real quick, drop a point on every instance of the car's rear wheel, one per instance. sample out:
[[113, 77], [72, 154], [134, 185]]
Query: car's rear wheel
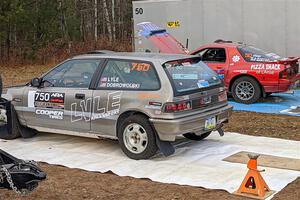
[[193, 136], [137, 138], [246, 90]]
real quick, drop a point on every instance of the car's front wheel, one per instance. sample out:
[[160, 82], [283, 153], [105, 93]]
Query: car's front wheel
[[137, 138], [12, 127], [246, 90], [193, 136]]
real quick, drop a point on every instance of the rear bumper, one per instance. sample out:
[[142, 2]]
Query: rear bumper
[[168, 129], [284, 85]]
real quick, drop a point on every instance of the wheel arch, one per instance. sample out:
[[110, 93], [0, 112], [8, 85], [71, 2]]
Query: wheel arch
[[126, 114], [245, 75]]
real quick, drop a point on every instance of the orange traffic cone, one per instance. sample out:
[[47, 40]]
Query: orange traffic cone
[[253, 184]]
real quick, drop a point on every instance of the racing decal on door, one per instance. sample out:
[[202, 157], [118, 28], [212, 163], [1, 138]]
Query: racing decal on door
[[54, 100], [48, 105], [112, 107], [49, 114]]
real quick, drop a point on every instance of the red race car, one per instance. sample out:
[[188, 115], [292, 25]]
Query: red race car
[[249, 73]]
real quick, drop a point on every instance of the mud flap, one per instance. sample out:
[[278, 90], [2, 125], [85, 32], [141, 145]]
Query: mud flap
[[27, 132], [24, 175], [165, 146], [5, 116], [220, 131]]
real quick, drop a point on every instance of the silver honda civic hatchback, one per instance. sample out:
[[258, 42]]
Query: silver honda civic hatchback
[[143, 100]]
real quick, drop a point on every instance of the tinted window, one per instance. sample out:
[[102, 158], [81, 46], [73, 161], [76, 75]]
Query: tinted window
[[213, 55], [252, 54], [134, 75], [191, 74], [72, 74]]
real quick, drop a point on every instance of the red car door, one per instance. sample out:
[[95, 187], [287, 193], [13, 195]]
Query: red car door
[[216, 58]]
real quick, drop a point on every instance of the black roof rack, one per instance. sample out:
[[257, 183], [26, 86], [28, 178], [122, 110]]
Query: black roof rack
[[100, 52], [222, 41], [227, 41]]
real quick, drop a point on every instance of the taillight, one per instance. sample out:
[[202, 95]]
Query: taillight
[[177, 106], [285, 74]]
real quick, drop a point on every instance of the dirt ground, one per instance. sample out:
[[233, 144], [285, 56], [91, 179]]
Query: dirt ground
[[268, 125], [74, 184], [64, 183]]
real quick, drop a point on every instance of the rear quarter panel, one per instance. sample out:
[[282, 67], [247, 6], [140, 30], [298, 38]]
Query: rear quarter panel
[[266, 74]]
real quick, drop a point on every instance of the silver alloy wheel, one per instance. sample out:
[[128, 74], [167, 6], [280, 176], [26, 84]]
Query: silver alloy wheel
[[244, 90], [135, 138]]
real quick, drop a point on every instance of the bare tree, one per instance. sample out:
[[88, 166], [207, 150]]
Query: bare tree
[[107, 20], [113, 19], [96, 20]]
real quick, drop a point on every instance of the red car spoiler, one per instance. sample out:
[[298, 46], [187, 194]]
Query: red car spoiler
[[289, 60], [161, 39]]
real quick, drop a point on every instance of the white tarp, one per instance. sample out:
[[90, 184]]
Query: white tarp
[[194, 163]]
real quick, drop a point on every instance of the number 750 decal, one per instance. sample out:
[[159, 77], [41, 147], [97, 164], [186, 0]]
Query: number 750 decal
[[53, 97]]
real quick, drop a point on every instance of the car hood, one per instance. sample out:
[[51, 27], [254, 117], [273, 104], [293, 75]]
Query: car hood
[[161, 39], [8, 91]]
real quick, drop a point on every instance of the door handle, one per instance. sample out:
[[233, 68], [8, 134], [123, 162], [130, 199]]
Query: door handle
[[79, 96]]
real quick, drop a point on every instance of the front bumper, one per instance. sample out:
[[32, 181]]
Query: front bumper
[[168, 129]]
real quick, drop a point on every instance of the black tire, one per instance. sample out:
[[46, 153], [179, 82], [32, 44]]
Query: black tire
[[151, 147], [15, 127], [254, 84], [193, 136]]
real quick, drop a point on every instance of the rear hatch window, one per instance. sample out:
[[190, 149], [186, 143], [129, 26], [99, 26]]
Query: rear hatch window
[[191, 75], [252, 54]]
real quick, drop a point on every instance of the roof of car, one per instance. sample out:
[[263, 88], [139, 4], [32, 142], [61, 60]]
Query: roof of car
[[223, 44], [135, 56], [218, 45]]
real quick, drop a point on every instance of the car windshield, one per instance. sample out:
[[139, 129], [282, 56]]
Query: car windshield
[[191, 74], [252, 54]]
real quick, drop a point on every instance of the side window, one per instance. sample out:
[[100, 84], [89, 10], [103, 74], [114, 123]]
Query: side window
[[72, 74], [132, 75], [213, 54]]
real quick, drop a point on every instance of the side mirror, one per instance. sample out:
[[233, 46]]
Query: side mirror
[[36, 82]]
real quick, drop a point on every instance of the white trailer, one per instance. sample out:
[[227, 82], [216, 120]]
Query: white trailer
[[272, 25]]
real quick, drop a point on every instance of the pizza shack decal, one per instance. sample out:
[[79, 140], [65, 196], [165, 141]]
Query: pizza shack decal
[[265, 67]]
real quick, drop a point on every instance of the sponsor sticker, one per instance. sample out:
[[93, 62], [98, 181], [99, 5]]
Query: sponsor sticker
[[173, 24], [185, 76], [48, 100], [265, 67], [50, 114], [153, 107], [146, 95], [140, 67], [236, 58], [240, 71]]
